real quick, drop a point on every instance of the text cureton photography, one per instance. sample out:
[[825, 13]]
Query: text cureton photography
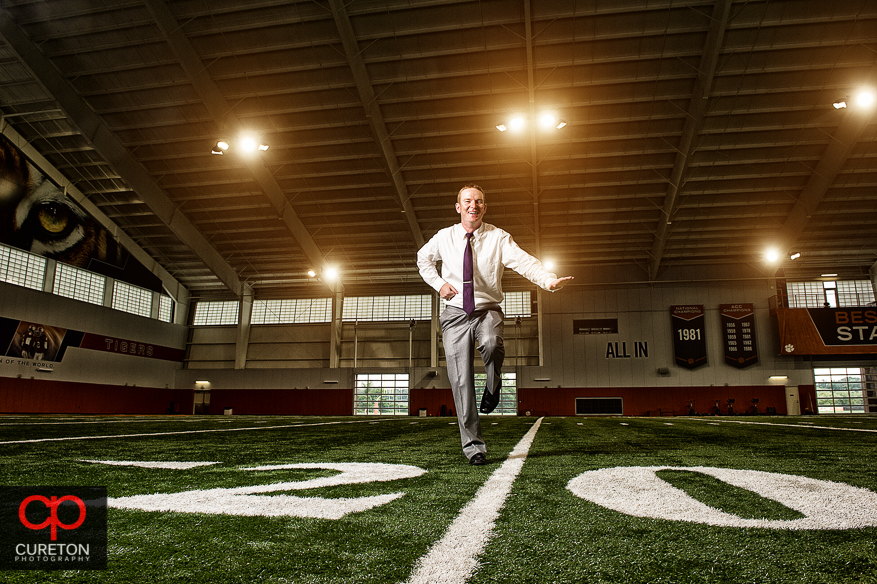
[[53, 528]]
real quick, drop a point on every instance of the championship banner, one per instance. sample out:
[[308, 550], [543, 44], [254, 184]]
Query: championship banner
[[689, 335], [738, 330], [827, 331]]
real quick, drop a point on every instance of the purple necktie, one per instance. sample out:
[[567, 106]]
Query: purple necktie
[[468, 288]]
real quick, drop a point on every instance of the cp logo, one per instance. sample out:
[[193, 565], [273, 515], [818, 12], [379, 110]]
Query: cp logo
[[52, 520]]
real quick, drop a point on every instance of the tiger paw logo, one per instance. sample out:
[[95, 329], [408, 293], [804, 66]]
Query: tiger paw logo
[[790, 348]]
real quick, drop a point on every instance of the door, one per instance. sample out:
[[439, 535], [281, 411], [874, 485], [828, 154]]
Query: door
[[793, 402]]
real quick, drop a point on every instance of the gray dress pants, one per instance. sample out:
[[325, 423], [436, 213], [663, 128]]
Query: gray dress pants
[[459, 334]]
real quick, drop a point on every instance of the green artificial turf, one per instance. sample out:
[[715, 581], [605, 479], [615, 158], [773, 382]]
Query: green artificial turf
[[543, 534]]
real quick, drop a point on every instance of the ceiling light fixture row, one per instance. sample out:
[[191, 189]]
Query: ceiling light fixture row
[[547, 121], [329, 274], [247, 145], [865, 98]]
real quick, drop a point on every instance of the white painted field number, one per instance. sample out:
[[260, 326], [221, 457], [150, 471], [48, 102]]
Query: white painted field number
[[638, 491], [249, 501], [634, 490]]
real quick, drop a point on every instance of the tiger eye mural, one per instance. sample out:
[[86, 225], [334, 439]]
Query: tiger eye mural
[[38, 218]]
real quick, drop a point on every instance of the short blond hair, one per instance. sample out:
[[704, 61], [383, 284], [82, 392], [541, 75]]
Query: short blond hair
[[469, 186]]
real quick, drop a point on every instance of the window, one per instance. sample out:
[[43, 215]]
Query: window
[[513, 304], [292, 311], [508, 397], [516, 304], [216, 313], [132, 299], [855, 293], [79, 284], [839, 390], [21, 268], [165, 308], [833, 294], [381, 394], [386, 308]]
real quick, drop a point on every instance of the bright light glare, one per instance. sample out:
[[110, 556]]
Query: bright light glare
[[516, 123], [222, 144], [547, 120], [312, 274], [330, 274], [865, 98], [248, 145], [771, 255], [549, 265]]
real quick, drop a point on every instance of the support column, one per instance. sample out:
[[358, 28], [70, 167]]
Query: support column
[[243, 340], [335, 339], [873, 273], [49, 276], [539, 324]]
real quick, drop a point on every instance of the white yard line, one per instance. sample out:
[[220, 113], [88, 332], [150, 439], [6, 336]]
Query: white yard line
[[454, 558], [786, 425], [151, 434]]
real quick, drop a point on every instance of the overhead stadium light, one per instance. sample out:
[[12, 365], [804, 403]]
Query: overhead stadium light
[[547, 121], [865, 98], [220, 147], [840, 104], [247, 145]]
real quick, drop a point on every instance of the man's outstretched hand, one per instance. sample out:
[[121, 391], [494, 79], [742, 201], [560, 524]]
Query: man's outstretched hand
[[559, 283]]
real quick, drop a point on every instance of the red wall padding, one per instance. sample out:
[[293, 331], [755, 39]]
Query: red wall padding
[[638, 401], [39, 396], [289, 402]]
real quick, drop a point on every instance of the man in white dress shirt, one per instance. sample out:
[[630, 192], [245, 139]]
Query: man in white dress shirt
[[473, 311]]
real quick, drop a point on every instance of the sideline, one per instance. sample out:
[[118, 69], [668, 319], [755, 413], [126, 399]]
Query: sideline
[[786, 425], [454, 558], [151, 434]]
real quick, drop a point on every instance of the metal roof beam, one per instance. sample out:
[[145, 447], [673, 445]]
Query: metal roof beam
[[221, 111], [113, 151], [176, 290], [842, 142], [374, 115], [696, 110]]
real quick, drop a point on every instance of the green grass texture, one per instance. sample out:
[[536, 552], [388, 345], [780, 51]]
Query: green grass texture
[[544, 533]]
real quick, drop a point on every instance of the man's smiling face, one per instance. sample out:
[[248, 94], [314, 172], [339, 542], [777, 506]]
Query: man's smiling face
[[471, 207]]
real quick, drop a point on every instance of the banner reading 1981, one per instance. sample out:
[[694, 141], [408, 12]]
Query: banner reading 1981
[[738, 330], [689, 335]]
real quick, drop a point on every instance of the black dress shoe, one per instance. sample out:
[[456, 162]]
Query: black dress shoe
[[478, 459], [489, 401]]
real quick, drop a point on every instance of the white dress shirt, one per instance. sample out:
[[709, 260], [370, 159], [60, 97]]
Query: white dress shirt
[[493, 250]]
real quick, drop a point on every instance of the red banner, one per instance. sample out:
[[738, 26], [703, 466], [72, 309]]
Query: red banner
[[129, 347]]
